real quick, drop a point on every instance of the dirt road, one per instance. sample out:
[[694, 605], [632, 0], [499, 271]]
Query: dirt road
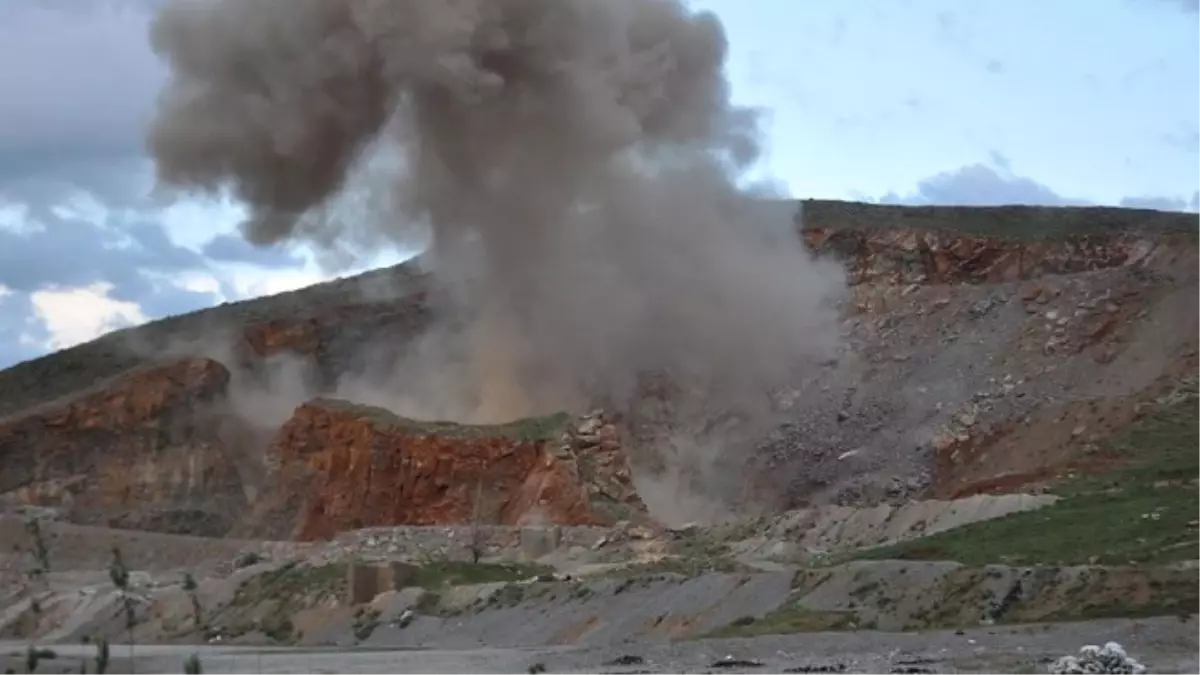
[[1165, 645]]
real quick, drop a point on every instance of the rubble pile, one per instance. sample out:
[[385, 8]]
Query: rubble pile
[[1111, 658]]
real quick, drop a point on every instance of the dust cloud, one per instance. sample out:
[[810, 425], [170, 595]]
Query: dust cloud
[[576, 165]]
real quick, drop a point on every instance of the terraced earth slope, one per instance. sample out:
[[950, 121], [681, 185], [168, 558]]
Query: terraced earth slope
[[1008, 436]]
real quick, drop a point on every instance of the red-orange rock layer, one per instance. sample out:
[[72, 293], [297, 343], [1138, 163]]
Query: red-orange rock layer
[[137, 448], [340, 467]]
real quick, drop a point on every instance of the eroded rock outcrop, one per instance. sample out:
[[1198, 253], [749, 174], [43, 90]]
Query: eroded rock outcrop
[[136, 452], [276, 336], [338, 466], [906, 256], [330, 341]]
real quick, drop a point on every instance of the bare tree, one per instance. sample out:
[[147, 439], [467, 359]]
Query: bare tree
[[476, 516]]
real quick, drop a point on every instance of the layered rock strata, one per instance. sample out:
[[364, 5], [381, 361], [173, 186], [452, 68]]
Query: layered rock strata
[[338, 466]]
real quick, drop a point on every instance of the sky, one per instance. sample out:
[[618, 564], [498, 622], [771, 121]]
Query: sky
[[897, 101]]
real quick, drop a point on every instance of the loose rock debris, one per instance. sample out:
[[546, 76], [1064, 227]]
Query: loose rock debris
[[731, 662], [1111, 658], [626, 660]]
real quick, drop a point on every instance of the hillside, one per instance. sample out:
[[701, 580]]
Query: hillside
[[1016, 389], [962, 346]]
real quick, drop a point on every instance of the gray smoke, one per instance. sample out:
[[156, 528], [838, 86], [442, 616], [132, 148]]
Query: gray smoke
[[575, 161]]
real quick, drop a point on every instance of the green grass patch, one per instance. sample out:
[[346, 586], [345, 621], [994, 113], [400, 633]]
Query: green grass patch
[[678, 567], [1139, 512], [531, 429], [366, 620], [291, 580], [1140, 526], [276, 595], [1181, 606], [454, 573], [783, 621]]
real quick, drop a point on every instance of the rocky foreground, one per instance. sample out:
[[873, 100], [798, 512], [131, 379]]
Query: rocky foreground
[[998, 469]]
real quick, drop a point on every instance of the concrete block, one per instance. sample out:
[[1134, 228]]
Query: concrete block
[[539, 541], [365, 581]]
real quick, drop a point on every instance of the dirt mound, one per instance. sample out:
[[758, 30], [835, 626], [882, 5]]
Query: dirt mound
[[338, 466]]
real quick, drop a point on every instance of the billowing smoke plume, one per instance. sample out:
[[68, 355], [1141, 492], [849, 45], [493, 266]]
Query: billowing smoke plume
[[576, 161]]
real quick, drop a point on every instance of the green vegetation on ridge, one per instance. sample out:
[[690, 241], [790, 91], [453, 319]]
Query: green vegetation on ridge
[[530, 429], [786, 620], [454, 573], [1143, 511]]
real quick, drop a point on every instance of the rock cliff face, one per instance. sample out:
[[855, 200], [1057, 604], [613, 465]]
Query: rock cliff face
[[337, 466], [138, 452], [885, 244], [902, 256], [1039, 307], [333, 340]]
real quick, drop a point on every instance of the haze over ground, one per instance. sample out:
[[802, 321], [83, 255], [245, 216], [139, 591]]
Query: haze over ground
[[916, 102]]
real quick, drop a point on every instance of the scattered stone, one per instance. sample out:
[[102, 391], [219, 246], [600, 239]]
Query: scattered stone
[[731, 662], [405, 618], [626, 660], [685, 530], [820, 668], [982, 307], [640, 532]]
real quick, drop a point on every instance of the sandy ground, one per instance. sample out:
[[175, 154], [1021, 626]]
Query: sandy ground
[[1165, 645]]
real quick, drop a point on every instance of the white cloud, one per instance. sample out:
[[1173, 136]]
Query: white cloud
[[14, 217], [200, 282], [75, 315], [83, 206], [994, 184], [192, 223]]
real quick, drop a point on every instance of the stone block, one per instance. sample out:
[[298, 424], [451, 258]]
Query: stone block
[[365, 581], [539, 541]]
